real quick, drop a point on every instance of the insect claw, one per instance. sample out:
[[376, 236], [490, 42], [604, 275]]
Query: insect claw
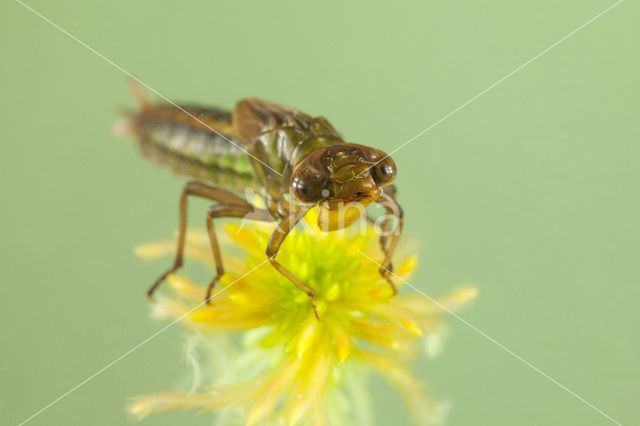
[[315, 308], [208, 297], [207, 300], [386, 274], [393, 287]]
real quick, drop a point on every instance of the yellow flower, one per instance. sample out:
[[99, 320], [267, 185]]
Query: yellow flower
[[292, 369]]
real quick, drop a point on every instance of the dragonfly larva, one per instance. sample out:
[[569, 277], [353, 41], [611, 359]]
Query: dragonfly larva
[[296, 162]]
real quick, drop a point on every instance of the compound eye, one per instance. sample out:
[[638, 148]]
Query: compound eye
[[309, 187], [384, 172]]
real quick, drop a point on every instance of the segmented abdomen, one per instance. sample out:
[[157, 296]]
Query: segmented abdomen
[[187, 145]]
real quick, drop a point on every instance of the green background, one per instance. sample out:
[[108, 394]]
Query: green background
[[529, 193]]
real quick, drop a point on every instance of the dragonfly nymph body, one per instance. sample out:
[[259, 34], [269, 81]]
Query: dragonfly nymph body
[[295, 161]]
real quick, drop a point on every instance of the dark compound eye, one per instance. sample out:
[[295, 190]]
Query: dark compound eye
[[384, 172], [309, 187]]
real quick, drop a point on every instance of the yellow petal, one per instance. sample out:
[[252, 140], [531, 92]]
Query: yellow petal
[[411, 326], [466, 294], [153, 251], [343, 347], [332, 293], [186, 287], [407, 267], [306, 338]]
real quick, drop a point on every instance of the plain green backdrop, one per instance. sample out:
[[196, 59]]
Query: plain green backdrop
[[529, 193]]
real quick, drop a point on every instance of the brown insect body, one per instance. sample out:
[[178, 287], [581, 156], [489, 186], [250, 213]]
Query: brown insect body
[[293, 160]]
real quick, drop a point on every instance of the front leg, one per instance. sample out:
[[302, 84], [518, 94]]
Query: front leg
[[388, 242], [382, 240], [273, 247]]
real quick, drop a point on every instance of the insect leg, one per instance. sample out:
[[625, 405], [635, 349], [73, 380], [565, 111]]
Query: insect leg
[[384, 228], [228, 210], [388, 242], [198, 189], [273, 247]]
